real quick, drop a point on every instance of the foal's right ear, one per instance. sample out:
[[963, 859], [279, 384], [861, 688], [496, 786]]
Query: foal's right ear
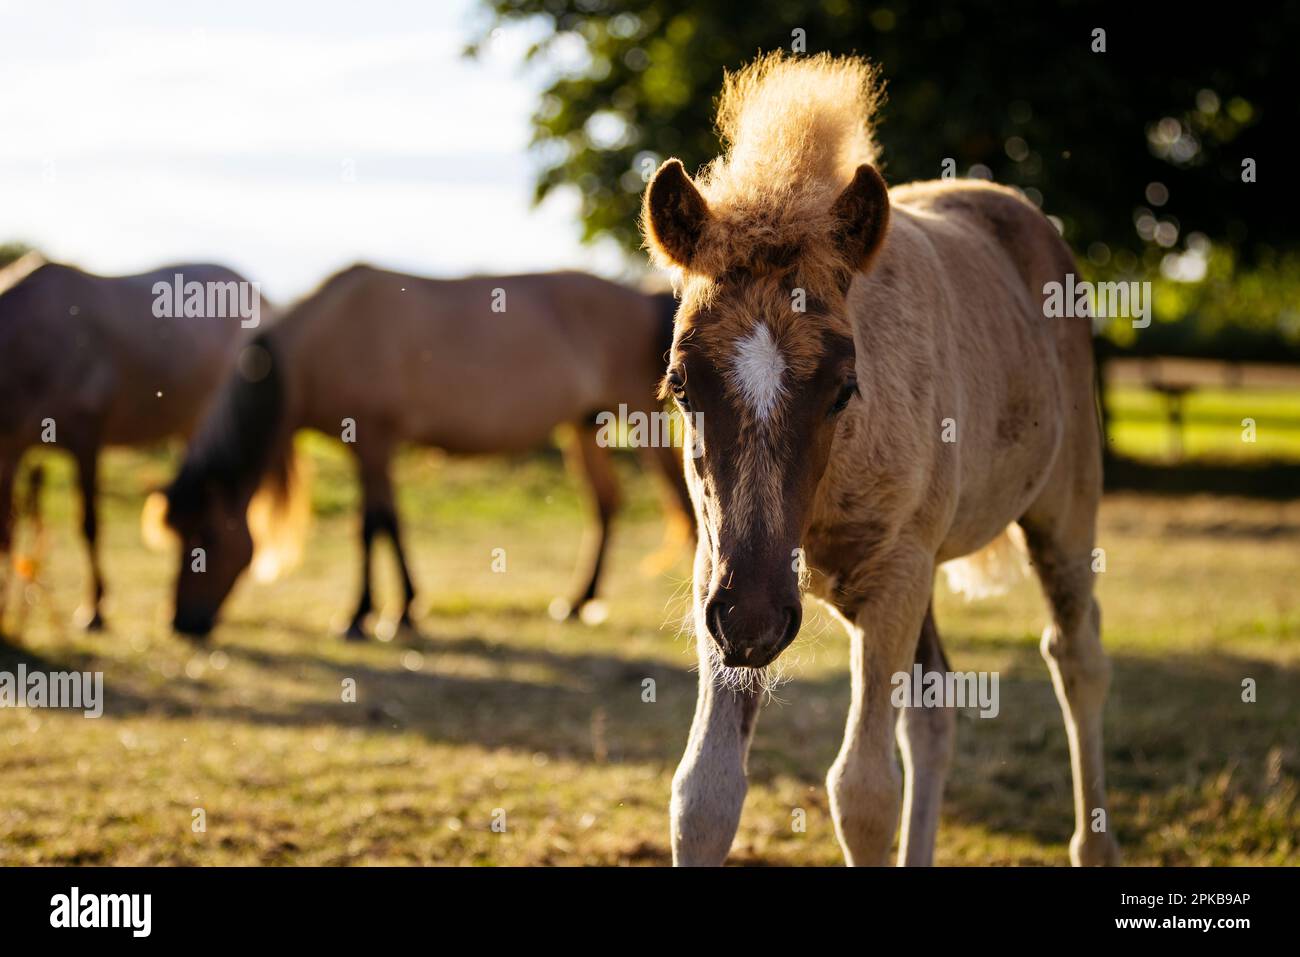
[[673, 215]]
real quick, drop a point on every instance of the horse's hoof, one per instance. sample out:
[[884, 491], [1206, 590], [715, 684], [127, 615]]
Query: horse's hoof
[[402, 629], [593, 611], [407, 631], [90, 619]]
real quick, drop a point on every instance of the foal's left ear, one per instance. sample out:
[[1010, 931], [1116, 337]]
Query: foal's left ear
[[861, 216]]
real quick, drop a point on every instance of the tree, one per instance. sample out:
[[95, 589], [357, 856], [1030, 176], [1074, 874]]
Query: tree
[[1133, 137], [9, 252]]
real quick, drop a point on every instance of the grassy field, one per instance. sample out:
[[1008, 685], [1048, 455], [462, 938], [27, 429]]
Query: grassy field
[[1213, 425], [497, 710]]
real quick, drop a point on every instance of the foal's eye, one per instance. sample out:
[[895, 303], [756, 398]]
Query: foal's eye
[[847, 392], [677, 386]]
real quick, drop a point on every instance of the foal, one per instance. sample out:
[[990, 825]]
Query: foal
[[877, 392]]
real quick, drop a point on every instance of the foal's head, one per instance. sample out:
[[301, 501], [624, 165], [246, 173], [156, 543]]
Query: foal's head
[[763, 356]]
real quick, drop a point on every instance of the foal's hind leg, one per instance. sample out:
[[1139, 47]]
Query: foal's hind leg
[[597, 468], [926, 740], [87, 456], [1060, 535]]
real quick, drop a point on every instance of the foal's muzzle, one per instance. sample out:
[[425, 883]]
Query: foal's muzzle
[[751, 634]]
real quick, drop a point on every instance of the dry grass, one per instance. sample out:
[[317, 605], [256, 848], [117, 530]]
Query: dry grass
[[497, 707]]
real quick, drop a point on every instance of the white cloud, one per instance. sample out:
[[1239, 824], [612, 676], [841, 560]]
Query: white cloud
[[286, 141]]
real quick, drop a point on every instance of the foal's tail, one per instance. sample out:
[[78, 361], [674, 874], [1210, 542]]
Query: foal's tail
[[993, 569]]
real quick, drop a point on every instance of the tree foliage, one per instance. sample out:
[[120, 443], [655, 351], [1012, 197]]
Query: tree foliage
[[1133, 148]]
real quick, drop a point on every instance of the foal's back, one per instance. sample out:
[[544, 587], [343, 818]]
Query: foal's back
[[953, 316]]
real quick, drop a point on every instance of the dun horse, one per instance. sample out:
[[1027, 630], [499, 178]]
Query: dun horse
[[479, 365], [916, 406], [89, 362]]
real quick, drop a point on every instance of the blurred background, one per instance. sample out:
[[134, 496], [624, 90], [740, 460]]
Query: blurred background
[[289, 140], [516, 135]]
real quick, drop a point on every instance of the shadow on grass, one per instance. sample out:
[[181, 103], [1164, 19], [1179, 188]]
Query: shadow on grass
[[1179, 737], [1274, 480]]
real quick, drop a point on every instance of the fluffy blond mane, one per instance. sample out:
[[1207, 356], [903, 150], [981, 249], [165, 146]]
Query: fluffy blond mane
[[801, 123], [794, 130]]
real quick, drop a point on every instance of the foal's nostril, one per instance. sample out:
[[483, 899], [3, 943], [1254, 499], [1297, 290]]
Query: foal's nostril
[[713, 617], [793, 619]]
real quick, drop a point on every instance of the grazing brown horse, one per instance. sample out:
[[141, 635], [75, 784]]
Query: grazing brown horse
[[479, 365], [88, 361], [877, 391]]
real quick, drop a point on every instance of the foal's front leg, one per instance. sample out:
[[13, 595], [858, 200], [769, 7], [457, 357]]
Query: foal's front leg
[[864, 783], [709, 786]]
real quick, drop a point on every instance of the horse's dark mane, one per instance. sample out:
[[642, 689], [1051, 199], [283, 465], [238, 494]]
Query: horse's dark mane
[[242, 438]]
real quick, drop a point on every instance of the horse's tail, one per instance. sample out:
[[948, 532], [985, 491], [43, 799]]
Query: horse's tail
[[279, 515], [993, 569]]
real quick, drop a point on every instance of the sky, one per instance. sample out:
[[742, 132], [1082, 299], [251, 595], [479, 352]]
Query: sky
[[286, 140]]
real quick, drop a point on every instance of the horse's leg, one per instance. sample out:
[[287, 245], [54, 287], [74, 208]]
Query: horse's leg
[[357, 627], [864, 782], [392, 526], [1060, 539], [925, 739], [709, 786], [679, 512], [595, 465], [87, 456], [669, 462], [372, 469]]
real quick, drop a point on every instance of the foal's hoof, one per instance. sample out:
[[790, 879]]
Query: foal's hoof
[[1094, 850]]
